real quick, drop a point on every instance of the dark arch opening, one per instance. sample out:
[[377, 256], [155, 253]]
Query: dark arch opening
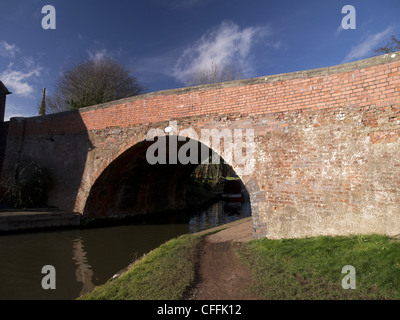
[[132, 186]]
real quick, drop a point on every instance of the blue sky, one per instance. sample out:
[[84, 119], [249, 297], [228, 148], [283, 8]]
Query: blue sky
[[163, 41]]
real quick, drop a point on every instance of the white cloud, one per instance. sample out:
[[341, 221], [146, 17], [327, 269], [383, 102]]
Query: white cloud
[[13, 111], [7, 50], [98, 55], [369, 43], [227, 43], [339, 30], [29, 62], [279, 45], [20, 81]]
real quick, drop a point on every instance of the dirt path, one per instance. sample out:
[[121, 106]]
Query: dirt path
[[220, 276]]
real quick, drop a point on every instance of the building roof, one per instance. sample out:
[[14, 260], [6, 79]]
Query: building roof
[[3, 88]]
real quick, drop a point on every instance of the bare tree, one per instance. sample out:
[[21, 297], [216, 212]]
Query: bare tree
[[392, 46], [92, 82], [214, 74]]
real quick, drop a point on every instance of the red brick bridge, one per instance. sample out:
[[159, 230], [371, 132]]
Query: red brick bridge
[[326, 149]]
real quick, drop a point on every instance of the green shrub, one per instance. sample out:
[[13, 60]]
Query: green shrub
[[30, 188]]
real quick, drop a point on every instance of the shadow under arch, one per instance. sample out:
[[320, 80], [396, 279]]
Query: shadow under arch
[[130, 185]]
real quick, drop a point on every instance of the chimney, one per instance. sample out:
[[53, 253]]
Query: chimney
[[3, 93]]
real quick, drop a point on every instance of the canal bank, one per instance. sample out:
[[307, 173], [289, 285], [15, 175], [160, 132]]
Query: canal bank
[[223, 264], [26, 220], [199, 265], [88, 257]]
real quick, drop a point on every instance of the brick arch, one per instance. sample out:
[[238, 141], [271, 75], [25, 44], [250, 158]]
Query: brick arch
[[128, 183]]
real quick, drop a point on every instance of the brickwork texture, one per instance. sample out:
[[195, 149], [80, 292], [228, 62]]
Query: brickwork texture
[[327, 149]]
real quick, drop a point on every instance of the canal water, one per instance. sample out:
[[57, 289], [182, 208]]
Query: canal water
[[84, 258]]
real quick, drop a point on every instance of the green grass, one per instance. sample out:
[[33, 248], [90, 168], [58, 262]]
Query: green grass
[[308, 269], [163, 274], [311, 268]]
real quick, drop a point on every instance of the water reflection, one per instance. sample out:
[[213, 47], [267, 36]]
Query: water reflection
[[83, 271], [218, 214], [84, 258]]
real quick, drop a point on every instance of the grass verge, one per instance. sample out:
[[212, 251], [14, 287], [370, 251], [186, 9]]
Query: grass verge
[[311, 269], [163, 274]]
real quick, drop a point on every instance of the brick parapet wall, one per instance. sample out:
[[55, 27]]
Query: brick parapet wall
[[374, 81]]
